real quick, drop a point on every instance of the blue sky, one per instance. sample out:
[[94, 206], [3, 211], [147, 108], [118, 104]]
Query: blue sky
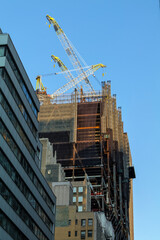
[[124, 35]]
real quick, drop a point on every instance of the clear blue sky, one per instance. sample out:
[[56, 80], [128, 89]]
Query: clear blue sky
[[124, 35]]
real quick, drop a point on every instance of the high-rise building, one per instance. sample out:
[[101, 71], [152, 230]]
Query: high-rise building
[[86, 132], [27, 204]]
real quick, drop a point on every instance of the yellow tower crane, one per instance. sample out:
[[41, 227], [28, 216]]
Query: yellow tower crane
[[71, 52]]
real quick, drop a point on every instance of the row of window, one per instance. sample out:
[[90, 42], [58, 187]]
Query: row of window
[[10, 227], [79, 189], [80, 199], [23, 188], [19, 209], [83, 234], [5, 52], [16, 124], [17, 99], [83, 222], [15, 149]]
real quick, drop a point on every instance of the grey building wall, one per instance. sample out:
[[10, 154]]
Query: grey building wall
[[63, 192], [51, 170], [22, 186]]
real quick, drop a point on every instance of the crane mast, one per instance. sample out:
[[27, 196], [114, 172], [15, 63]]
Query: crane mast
[[39, 85], [69, 50]]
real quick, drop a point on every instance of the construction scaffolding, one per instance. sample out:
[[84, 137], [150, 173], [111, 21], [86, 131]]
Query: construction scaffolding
[[86, 132]]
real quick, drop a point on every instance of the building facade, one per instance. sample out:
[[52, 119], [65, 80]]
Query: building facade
[[86, 132], [82, 195], [74, 225], [51, 170], [27, 204]]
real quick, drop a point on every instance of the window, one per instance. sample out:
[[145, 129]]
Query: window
[[74, 189], [10, 227], [18, 208], [89, 233], [83, 234], [80, 189], [17, 99], [83, 222], [17, 125], [75, 233], [74, 199], [80, 208], [90, 222], [23, 187], [21, 81], [69, 234], [2, 51], [76, 221], [69, 222], [80, 199], [15, 149]]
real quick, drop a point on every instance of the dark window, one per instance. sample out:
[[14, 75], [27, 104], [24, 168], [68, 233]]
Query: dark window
[[83, 222], [69, 234], [23, 187], [90, 222], [17, 99], [10, 227], [17, 125], [76, 221], [89, 233], [75, 233], [69, 222], [21, 81], [2, 51], [83, 234], [15, 149], [18, 208]]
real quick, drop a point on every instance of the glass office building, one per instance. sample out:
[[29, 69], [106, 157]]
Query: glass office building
[[27, 204]]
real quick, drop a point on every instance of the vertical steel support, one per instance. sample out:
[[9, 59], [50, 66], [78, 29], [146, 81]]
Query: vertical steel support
[[114, 182], [75, 133], [120, 196], [126, 216], [108, 171]]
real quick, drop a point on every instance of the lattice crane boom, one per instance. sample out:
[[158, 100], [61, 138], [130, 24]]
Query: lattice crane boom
[[62, 67], [68, 74], [69, 49], [77, 80]]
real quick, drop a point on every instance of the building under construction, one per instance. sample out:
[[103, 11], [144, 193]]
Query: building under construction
[[86, 131]]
